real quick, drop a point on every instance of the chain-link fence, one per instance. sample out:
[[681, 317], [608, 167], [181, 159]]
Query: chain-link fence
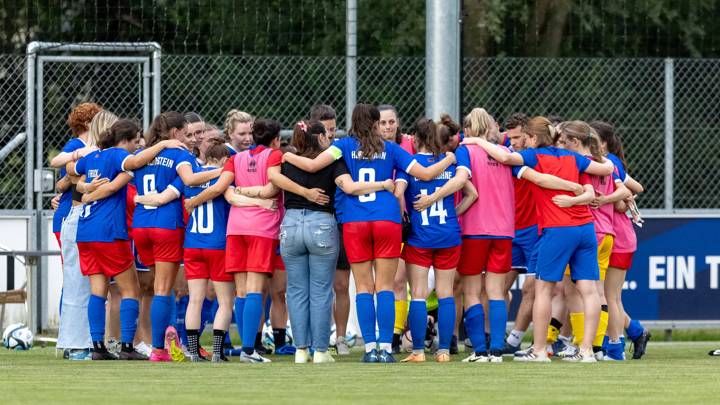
[[630, 93]]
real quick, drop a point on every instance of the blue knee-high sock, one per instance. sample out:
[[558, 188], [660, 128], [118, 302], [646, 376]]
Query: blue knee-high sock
[[498, 320], [268, 305], [634, 329], [475, 327], [365, 307], [417, 318], [173, 311], [446, 321], [386, 316], [96, 317], [206, 314], [129, 311], [238, 312], [251, 319], [160, 311], [181, 306]]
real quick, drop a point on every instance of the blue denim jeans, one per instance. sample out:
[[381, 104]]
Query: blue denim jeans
[[309, 247]]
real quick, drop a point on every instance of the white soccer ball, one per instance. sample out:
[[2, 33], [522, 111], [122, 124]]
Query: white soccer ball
[[17, 337]]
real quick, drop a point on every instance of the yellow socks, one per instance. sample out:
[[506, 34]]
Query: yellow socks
[[602, 327], [577, 322], [401, 314]]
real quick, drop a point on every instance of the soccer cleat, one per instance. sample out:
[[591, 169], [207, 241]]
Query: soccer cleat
[[580, 357], [454, 345], [414, 358], [216, 358], [203, 352], [79, 354], [342, 347], [529, 356], [133, 355], [442, 357], [144, 348], [640, 344], [173, 345], [569, 351], [286, 350], [510, 349], [103, 355], [323, 357], [253, 358], [495, 357], [714, 352], [160, 355], [385, 357], [302, 356], [262, 350], [370, 357], [476, 358]]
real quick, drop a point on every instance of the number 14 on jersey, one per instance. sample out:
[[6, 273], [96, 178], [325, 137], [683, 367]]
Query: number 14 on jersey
[[435, 210]]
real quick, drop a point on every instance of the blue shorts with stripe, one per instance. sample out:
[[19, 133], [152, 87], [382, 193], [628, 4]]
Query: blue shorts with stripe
[[524, 247]]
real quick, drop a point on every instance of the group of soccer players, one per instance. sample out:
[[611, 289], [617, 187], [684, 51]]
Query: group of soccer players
[[446, 216]]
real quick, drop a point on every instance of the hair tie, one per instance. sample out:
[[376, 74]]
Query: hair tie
[[302, 125]]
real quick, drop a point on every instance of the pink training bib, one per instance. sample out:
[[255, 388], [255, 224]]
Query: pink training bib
[[251, 170], [603, 216]]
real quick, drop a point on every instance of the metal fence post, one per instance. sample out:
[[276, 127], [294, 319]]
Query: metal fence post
[[351, 62], [442, 62], [669, 133], [30, 125], [156, 55]]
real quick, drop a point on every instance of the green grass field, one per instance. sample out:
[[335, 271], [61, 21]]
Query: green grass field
[[670, 373]]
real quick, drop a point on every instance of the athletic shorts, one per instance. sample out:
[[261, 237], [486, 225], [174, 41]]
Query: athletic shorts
[[605, 244], [254, 254], [524, 245], [561, 246], [205, 264], [342, 261], [365, 241], [278, 263], [438, 258], [486, 254], [139, 266], [622, 261], [108, 258], [159, 245]]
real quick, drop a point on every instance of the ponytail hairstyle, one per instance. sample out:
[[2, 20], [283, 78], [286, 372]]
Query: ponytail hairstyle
[[160, 127], [99, 124], [122, 130], [542, 130], [478, 123], [265, 131], [305, 138], [364, 121], [426, 136], [233, 118], [446, 129], [217, 150], [390, 107], [607, 134], [582, 132]]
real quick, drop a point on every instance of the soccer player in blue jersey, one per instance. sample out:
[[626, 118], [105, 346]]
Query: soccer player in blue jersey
[[372, 227], [433, 241], [102, 232], [158, 231]]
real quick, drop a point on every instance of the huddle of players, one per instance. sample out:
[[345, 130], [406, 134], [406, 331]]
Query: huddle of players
[[535, 206]]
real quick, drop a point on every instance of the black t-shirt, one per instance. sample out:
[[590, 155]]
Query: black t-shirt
[[323, 179]]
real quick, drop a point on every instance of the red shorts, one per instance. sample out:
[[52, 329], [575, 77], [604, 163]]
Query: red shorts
[[245, 253], [205, 264], [278, 263], [478, 255], [159, 245], [440, 258], [108, 258], [622, 261], [365, 241]]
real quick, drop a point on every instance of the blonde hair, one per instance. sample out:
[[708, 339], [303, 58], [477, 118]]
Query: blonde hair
[[235, 117], [100, 123], [478, 123], [542, 130], [584, 133]]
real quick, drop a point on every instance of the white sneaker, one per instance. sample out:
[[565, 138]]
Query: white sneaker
[[143, 348], [530, 357], [569, 351], [495, 359], [342, 346], [580, 357], [475, 358], [302, 356], [322, 357], [253, 358]]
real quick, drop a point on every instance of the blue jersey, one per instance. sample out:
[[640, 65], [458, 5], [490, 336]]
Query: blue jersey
[[155, 177], [619, 173], [436, 226], [66, 197], [103, 220], [379, 205], [206, 228]]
